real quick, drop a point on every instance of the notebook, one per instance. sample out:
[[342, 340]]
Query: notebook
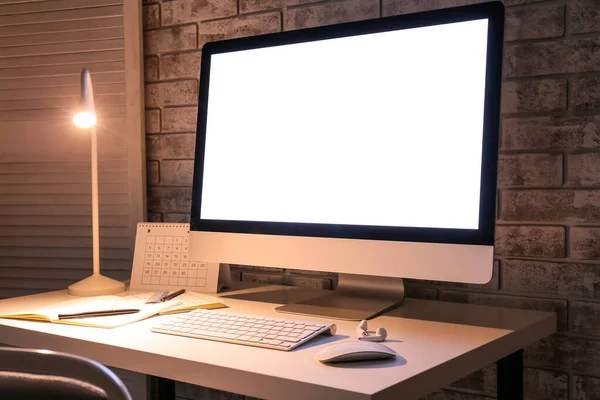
[[96, 303], [188, 301]]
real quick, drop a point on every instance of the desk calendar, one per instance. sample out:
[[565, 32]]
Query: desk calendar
[[162, 262]]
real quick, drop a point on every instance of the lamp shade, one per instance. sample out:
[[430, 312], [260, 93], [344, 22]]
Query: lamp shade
[[85, 117]]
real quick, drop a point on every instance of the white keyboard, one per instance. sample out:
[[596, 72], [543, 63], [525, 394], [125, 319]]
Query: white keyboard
[[245, 329]]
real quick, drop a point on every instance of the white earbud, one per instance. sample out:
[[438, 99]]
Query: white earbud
[[361, 330], [363, 333]]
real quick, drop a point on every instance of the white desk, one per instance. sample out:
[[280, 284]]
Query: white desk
[[438, 343]]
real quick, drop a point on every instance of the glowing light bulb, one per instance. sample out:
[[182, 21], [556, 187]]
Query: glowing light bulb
[[84, 119]]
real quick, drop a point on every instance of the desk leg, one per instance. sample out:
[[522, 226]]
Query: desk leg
[[161, 388], [510, 377]]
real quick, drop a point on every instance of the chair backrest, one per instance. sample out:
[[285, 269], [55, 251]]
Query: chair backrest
[[46, 371]]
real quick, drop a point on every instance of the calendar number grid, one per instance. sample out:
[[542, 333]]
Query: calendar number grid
[[167, 262]]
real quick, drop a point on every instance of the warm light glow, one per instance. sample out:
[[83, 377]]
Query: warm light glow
[[84, 119]]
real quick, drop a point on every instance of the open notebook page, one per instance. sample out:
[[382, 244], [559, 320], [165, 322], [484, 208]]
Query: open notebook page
[[96, 303]]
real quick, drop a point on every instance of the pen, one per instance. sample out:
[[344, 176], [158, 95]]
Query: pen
[[98, 313], [172, 295]]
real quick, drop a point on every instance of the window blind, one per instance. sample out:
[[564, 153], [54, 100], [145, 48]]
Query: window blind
[[45, 178]]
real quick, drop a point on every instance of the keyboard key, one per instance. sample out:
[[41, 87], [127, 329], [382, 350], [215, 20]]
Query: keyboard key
[[270, 342], [288, 339], [213, 333]]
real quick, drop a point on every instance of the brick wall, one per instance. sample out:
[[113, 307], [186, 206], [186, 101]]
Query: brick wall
[[548, 234]]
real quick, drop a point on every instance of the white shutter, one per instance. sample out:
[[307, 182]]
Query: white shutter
[[45, 194]]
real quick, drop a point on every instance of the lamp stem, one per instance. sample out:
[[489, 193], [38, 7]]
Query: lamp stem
[[95, 223]]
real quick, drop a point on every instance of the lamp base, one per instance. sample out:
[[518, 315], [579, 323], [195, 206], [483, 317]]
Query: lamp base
[[96, 285]]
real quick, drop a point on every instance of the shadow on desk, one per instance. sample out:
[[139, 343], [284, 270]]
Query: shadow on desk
[[463, 314], [318, 341], [425, 310], [395, 362]]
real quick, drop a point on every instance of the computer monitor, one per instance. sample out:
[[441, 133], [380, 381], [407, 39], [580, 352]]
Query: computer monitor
[[366, 148]]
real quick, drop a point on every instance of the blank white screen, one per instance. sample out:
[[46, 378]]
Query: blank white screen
[[382, 129]]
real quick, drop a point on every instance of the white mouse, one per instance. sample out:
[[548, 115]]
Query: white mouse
[[354, 351]]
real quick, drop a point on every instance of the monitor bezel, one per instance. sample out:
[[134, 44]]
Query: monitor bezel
[[494, 12]]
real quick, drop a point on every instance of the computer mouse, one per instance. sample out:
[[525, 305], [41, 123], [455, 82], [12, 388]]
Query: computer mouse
[[354, 351]]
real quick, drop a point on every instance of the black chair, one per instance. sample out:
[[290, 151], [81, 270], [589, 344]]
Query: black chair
[[43, 374]]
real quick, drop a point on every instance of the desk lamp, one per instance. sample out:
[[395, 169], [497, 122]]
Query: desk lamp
[[85, 118]]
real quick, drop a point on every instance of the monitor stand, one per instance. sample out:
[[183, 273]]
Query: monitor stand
[[356, 297]]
